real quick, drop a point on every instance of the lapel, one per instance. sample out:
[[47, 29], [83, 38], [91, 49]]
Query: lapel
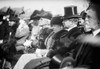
[[74, 32]]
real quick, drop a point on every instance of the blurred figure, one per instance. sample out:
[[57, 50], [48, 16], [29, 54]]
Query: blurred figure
[[39, 53], [89, 48], [70, 23], [8, 45], [2, 29], [21, 35]]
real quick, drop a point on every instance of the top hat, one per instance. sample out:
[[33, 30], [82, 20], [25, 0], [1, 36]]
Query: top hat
[[70, 12]]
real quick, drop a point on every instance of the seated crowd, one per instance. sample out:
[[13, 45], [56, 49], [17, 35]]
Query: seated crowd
[[44, 42]]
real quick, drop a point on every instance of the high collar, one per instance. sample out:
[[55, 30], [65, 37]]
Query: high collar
[[72, 27]]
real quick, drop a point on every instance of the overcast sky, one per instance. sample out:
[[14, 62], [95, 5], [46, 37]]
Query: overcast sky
[[55, 6]]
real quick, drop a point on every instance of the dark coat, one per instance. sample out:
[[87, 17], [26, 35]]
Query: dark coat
[[8, 46], [67, 38], [63, 39], [3, 30], [42, 36], [57, 44], [85, 54], [89, 56]]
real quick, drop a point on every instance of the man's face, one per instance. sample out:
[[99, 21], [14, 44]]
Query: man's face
[[70, 22], [91, 18], [67, 23]]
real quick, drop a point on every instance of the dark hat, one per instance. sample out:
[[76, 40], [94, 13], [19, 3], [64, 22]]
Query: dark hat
[[13, 19], [35, 16], [70, 12], [1, 17], [57, 20]]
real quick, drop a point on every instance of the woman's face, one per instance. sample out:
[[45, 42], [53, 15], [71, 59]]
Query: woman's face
[[11, 23], [36, 22], [56, 27], [92, 18]]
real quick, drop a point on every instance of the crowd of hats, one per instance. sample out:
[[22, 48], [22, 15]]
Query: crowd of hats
[[37, 14], [69, 12], [11, 13]]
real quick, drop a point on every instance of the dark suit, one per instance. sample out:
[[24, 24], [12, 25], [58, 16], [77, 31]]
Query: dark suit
[[3, 29], [62, 44], [89, 55]]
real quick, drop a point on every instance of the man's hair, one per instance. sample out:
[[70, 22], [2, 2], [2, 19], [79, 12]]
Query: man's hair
[[95, 7]]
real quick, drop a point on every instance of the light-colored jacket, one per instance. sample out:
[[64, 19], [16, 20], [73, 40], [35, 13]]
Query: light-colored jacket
[[22, 32]]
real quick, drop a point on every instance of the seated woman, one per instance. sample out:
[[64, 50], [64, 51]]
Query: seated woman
[[24, 59]]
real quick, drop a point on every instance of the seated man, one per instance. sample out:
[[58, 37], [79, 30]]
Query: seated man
[[87, 56]]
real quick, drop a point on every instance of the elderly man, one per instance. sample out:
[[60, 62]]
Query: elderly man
[[93, 41], [87, 56], [2, 29]]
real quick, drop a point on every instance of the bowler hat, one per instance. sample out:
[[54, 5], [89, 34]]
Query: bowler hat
[[70, 12], [57, 20]]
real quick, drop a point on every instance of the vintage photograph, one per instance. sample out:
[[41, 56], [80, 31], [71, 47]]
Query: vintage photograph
[[49, 34]]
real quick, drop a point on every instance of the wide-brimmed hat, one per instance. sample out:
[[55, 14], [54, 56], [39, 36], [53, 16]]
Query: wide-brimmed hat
[[13, 19], [35, 16], [70, 12]]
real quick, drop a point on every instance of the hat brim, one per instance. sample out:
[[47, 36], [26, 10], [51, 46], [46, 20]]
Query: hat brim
[[74, 16], [14, 19], [35, 18]]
